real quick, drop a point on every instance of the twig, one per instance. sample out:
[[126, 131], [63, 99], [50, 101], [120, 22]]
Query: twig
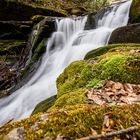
[[108, 135]]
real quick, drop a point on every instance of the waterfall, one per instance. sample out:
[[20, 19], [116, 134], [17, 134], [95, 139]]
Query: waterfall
[[69, 43]]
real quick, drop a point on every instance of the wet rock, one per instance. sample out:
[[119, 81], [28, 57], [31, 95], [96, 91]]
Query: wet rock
[[127, 34], [91, 22], [43, 29]]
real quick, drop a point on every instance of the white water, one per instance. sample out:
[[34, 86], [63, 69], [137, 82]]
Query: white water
[[69, 43]]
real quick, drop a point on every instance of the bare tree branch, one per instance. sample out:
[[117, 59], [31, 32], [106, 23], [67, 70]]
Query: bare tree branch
[[109, 135]]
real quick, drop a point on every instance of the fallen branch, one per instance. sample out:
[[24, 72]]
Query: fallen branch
[[112, 134]]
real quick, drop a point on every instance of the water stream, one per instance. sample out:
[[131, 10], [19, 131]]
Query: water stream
[[69, 43]]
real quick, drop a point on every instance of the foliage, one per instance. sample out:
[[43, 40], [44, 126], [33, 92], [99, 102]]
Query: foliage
[[63, 5]]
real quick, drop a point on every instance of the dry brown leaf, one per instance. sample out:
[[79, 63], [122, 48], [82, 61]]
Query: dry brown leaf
[[109, 83], [124, 99], [93, 132], [128, 88], [117, 86]]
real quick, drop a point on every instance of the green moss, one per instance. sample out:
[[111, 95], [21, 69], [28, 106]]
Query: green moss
[[95, 83], [45, 105], [71, 98], [75, 76], [40, 49], [27, 70], [77, 121], [118, 65], [135, 12], [37, 18], [105, 49], [9, 58]]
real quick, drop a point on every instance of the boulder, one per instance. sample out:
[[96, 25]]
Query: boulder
[[91, 22], [127, 34]]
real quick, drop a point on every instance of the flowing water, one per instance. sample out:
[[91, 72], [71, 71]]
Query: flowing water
[[69, 43]]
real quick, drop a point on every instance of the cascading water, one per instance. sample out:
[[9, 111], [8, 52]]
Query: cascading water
[[69, 43]]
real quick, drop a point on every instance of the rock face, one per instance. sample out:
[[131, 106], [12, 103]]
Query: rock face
[[135, 12], [127, 34], [91, 22], [15, 29], [19, 11]]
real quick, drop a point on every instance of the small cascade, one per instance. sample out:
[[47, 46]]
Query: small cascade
[[69, 43]]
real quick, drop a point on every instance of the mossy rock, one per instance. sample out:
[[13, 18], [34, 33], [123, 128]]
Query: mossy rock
[[118, 64], [44, 29], [77, 121], [45, 105], [75, 76], [118, 67], [135, 12], [39, 51], [71, 98], [105, 49], [37, 18], [127, 34]]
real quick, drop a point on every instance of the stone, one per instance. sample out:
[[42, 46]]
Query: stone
[[91, 22], [127, 34], [16, 134]]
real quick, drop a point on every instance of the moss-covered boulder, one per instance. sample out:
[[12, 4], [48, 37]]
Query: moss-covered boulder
[[71, 98], [127, 34], [105, 49], [119, 64], [135, 12], [45, 105], [77, 121], [75, 76]]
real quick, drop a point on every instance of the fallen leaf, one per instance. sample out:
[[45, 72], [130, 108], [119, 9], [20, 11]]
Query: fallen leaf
[[93, 132], [117, 86]]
